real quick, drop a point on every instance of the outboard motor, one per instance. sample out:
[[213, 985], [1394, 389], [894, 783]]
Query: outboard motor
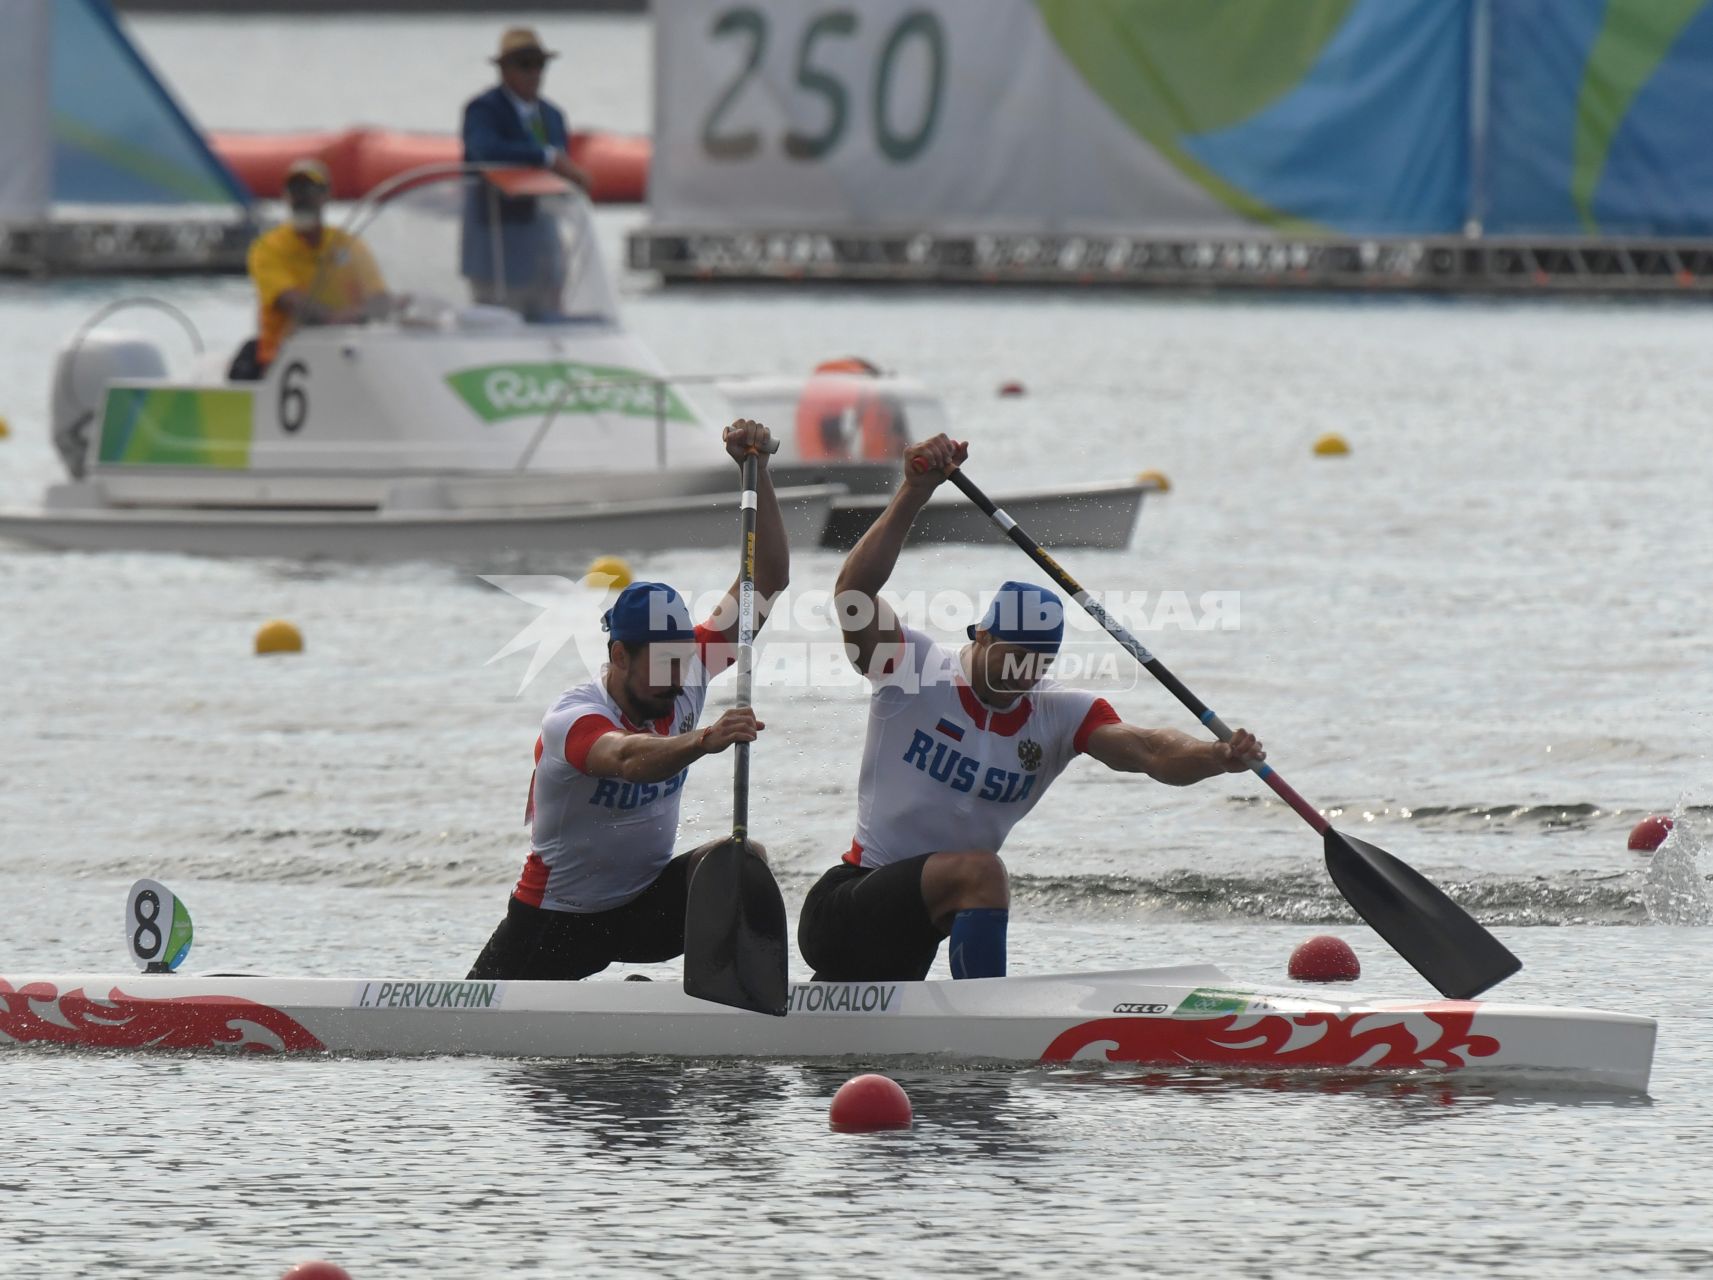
[[82, 371]]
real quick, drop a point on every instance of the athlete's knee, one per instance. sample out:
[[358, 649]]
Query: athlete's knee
[[981, 871], [957, 881]]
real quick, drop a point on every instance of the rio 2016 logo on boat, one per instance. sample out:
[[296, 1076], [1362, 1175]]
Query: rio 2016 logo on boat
[[496, 392]]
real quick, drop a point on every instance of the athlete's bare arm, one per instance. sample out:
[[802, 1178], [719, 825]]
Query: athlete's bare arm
[[866, 619], [772, 556], [645, 757], [1172, 757]]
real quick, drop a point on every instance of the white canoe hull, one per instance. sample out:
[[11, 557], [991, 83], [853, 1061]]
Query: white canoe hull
[[532, 533], [1188, 1015]]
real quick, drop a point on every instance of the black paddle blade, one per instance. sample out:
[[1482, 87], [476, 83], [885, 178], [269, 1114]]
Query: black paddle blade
[[1438, 937], [734, 932]]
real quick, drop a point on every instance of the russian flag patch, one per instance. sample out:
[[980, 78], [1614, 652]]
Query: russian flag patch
[[950, 730]]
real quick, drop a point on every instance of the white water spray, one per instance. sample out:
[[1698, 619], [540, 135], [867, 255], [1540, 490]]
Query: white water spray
[[1676, 892]]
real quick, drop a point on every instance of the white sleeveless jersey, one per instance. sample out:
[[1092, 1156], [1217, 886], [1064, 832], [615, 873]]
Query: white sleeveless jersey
[[942, 772], [598, 842]]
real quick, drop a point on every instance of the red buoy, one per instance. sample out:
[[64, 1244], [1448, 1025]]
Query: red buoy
[[1650, 833], [1324, 959], [1012, 388], [317, 1271], [867, 1103]]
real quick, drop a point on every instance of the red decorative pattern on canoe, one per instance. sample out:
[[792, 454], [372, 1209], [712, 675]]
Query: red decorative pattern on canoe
[[1439, 1036], [37, 1013]]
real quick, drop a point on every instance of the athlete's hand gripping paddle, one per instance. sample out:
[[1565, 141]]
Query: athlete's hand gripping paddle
[[734, 925], [1423, 925]]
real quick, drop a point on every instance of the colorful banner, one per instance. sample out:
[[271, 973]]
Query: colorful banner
[[1165, 117], [1597, 118], [118, 135], [1336, 115], [151, 426]]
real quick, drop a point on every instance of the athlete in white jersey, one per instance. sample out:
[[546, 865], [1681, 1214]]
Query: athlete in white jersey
[[960, 746], [601, 882]]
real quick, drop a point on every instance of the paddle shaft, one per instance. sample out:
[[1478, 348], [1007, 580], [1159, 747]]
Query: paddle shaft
[[746, 638], [1200, 710], [735, 948]]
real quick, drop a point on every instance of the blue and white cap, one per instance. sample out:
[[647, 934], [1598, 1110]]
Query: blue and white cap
[[648, 613], [1026, 615]]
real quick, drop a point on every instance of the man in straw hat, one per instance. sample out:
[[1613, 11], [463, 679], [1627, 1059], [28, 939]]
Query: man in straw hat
[[512, 124]]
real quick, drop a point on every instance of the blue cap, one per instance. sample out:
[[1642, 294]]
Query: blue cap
[[648, 612], [1024, 614]]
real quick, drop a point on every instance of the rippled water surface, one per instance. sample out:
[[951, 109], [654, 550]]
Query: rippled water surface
[[1482, 640]]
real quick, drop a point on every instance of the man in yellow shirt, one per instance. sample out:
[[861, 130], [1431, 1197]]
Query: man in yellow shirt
[[308, 273]]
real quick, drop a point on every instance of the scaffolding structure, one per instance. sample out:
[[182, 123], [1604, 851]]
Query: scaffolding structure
[[125, 246], [1456, 264]]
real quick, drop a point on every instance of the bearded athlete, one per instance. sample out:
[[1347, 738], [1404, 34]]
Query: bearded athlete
[[601, 883], [960, 746]]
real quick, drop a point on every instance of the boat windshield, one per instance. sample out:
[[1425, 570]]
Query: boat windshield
[[471, 245]]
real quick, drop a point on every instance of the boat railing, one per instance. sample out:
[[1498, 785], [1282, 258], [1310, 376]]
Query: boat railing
[[577, 272]]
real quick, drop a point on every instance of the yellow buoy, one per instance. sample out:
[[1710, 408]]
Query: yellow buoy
[[5, 428], [1155, 478], [1331, 445], [279, 637], [607, 571]]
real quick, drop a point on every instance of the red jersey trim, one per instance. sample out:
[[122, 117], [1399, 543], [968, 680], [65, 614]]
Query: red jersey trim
[[854, 855], [1004, 723], [532, 884], [582, 735], [892, 664], [1099, 713], [529, 805]]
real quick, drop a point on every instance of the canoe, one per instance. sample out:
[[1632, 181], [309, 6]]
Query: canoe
[[1165, 1017]]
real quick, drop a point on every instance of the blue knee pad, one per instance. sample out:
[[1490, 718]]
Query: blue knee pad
[[978, 942]]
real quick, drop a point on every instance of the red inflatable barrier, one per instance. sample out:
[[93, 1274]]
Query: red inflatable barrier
[[362, 158]]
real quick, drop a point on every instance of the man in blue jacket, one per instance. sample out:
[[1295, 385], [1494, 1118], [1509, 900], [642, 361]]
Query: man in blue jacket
[[512, 124]]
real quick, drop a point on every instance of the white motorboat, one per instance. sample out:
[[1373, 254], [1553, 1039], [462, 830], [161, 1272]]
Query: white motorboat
[[439, 428], [449, 428]]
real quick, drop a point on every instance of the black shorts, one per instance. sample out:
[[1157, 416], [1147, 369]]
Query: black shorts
[[535, 944], [862, 925]]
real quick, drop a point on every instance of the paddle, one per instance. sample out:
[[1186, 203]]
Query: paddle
[[1423, 925], [734, 923]]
